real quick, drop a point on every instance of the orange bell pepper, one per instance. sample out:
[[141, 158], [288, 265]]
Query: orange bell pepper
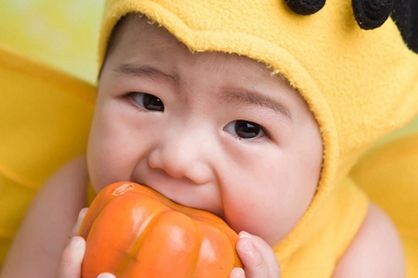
[[133, 231]]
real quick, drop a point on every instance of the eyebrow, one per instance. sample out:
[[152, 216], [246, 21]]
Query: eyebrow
[[241, 95], [145, 71]]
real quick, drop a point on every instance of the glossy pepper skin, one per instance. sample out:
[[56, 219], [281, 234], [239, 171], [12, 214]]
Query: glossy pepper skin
[[133, 231]]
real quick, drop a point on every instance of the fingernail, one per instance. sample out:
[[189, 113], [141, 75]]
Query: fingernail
[[76, 242], [237, 272], [244, 234], [80, 218], [106, 275], [82, 212]]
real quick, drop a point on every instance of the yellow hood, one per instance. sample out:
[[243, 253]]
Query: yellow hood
[[360, 85]]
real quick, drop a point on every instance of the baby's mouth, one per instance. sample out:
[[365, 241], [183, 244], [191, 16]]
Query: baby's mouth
[[174, 198]]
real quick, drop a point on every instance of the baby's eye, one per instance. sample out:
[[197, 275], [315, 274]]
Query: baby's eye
[[147, 101], [244, 129]]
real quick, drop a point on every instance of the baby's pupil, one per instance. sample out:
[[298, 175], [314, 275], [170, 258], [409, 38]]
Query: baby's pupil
[[245, 129], [153, 103]]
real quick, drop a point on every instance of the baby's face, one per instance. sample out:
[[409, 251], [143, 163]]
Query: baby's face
[[208, 130]]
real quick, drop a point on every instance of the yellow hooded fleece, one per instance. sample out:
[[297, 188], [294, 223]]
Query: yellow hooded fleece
[[360, 85]]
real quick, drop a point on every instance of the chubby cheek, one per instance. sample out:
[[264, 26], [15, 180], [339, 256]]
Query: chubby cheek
[[265, 202], [101, 160], [111, 151], [261, 218]]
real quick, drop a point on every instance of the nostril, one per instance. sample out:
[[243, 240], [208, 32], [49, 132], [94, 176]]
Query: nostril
[[180, 166], [199, 173], [158, 160], [154, 160]]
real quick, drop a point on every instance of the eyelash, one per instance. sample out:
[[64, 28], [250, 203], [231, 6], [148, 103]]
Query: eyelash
[[154, 103], [254, 130], [257, 130]]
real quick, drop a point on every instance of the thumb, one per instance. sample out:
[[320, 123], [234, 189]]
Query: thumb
[[72, 257]]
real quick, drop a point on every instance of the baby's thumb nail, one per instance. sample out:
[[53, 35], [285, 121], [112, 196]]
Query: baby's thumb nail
[[237, 272], [80, 219], [82, 214], [77, 243], [106, 275], [244, 234]]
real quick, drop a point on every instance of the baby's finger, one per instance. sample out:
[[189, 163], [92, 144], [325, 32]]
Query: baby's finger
[[267, 253], [70, 266], [257, 256], [254, 265], [80, 219]]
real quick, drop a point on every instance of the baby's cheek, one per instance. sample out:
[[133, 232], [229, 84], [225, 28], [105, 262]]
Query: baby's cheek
[[242, 218], [104, 163], [259, 221]]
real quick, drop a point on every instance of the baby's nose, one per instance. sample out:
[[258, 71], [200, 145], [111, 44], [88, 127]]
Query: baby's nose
[[182, 157]]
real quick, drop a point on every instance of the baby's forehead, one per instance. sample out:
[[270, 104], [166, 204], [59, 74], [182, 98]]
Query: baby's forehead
[[137, 35], [135, 27]]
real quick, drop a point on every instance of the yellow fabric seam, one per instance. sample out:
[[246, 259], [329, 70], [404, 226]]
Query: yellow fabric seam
[[10, 174]]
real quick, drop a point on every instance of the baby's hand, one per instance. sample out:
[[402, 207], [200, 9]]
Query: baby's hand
[[257, 258], [72, 257]]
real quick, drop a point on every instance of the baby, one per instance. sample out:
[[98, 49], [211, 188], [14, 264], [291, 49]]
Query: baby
[[213, 124]]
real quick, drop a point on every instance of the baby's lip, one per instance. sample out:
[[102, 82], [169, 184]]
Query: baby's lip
[[164, 195], [177, 202]]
